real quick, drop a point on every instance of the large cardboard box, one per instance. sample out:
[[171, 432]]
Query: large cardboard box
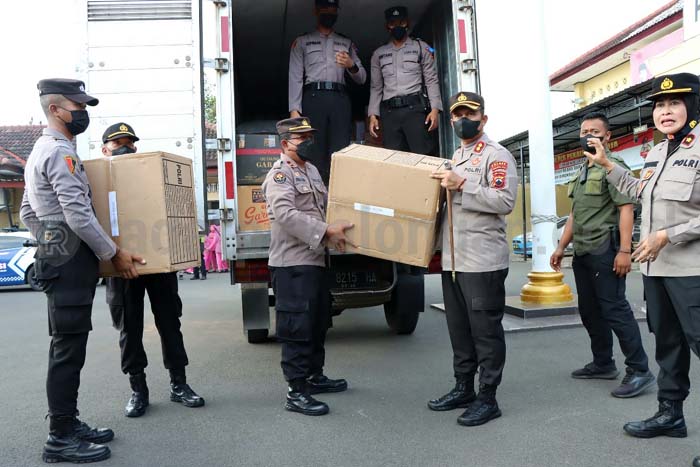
[[390, 198], [146, 203], [252, 209], [255, 154]]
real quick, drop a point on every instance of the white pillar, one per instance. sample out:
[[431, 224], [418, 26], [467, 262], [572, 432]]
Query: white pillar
[[542, 187]]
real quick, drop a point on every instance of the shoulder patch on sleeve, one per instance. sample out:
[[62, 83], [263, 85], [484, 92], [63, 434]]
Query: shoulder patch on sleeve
[[498, 173], [72, 163], [279, 177]]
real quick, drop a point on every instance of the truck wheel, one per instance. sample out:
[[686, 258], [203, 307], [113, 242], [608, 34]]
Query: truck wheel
[[257, 336], [407, 301], [30, 278]]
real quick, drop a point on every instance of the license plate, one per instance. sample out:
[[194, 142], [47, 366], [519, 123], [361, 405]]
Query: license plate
[[354, 280]]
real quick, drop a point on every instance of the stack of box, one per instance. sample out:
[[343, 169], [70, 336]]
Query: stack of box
[[255, 155]]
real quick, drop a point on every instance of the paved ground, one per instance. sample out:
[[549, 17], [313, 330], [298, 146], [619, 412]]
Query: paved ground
[[549, 419]]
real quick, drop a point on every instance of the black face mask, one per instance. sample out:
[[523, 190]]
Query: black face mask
[[327, 20], [399, 32], [584, 143], [465, 128], [120, 151], [304, 149], [79, 123]]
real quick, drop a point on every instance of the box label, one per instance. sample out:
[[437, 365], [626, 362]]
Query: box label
[[176, 173], [374, 209], [113, 213]]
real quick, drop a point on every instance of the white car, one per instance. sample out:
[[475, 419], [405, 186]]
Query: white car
[[17, 260]]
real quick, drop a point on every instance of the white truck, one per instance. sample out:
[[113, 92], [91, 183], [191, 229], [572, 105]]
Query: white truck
[[144, 61]]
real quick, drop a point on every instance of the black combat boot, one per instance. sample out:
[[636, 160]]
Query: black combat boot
[[668, 421], [85, 432], [181, 392], [63, 445], [483, 409], [320, 383], [139, 396], [299, 400], [458, 398]]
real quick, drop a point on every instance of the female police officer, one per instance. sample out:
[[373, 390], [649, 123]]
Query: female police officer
[[669, 189]]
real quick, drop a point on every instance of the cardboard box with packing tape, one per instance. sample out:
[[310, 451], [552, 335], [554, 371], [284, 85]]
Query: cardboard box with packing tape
[[145, 201], [390, 198]]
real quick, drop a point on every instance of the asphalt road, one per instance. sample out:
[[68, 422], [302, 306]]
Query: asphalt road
[[548, 418]]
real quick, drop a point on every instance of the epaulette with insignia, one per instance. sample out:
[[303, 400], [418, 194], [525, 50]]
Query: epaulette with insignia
[[688, 141], [479, 147]]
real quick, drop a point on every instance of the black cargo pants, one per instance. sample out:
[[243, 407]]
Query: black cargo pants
[[126, 303], [673, 314], [303, 305], [474, 306], [605, 310], [330, 113], [67, 270], [404, 128]]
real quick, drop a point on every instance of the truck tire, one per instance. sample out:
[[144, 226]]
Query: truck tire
[[257, 336], [407, 301]]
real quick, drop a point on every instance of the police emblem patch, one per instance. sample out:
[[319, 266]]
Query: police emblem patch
[[498, 174], [71, 163], [666, 84], [476, 161], [279, 177], [647, 175]]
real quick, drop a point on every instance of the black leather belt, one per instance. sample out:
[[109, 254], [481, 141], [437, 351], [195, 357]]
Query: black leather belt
[[403, 101], [325, 86]]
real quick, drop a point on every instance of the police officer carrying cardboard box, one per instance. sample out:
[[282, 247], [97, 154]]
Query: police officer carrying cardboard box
[[401, 72], [125, 300], [57, 208], [484, 183], [296, 203], [319, 64]]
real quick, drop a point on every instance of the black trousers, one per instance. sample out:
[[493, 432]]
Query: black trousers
[[201, 269], [404, 129], [67, 270], [126, 303], [474, 306], [673, 314], [303, 305], [605, 310], [331, 114]]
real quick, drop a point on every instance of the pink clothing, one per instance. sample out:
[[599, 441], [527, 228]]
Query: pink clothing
[[209, 260], [221, 263]]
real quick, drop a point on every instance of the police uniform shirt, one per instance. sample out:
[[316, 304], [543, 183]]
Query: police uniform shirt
[[595, 205], [479, 212], [669, 189], [296, 205], [312, 59], [401, 71], [57, 188]]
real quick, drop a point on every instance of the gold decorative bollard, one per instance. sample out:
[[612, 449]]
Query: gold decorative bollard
[[546, 288]]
